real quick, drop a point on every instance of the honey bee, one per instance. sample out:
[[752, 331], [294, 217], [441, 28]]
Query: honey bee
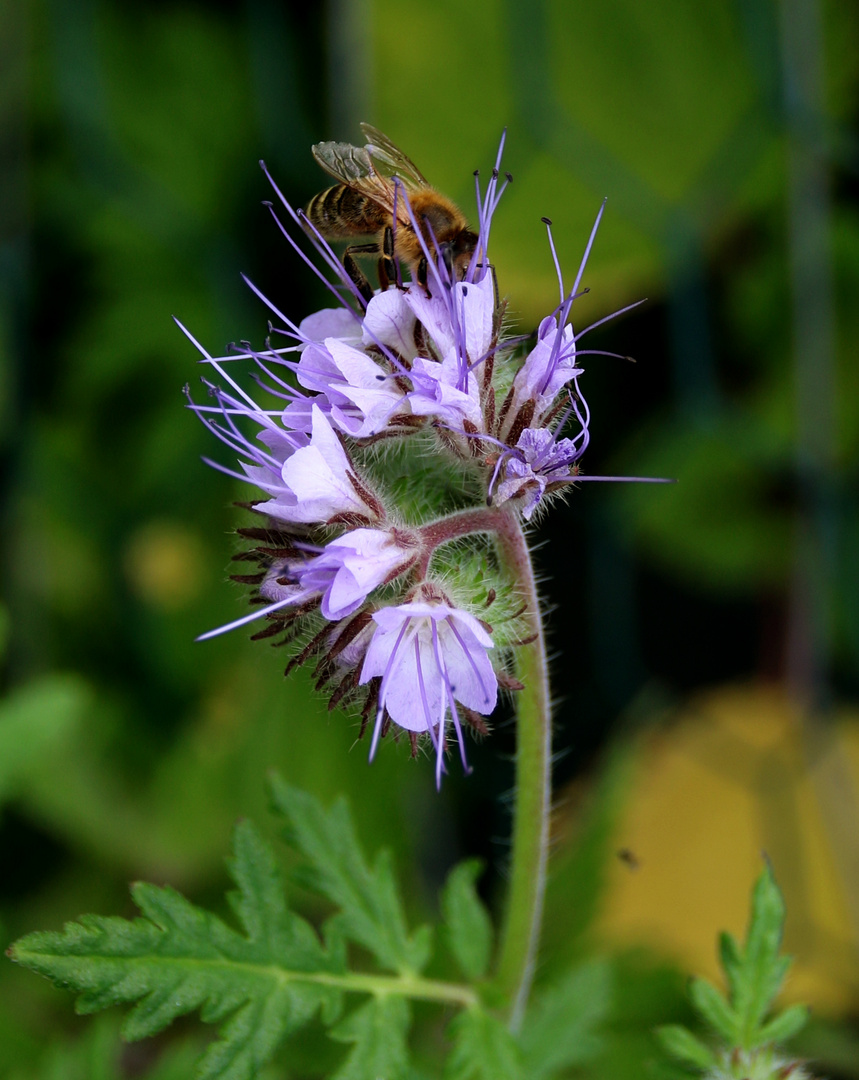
[[369, 200]]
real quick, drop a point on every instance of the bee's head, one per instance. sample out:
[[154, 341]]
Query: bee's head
[[458, 252]]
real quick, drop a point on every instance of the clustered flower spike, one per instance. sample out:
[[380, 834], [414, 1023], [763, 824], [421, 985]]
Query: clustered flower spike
[[394, 426]]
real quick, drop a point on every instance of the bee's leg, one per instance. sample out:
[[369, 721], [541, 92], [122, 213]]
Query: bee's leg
[[357, 275], [384, 280], [389, 267], [358, 278], [422, 276]]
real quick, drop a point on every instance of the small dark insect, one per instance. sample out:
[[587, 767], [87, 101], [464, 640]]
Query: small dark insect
[[629, 858]]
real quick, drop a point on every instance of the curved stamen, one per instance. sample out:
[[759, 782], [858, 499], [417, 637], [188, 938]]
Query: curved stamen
[[548, 223]]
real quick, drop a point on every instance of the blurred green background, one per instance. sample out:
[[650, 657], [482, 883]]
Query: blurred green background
[[706, 635]]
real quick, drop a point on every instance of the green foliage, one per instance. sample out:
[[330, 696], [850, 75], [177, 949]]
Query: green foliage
[[378, 1031], [268, 980], [177, 958], [97, 1055], [36, 723], [468, 925], [560, 1031], [754, 974], [483, 1049], [370, 911]]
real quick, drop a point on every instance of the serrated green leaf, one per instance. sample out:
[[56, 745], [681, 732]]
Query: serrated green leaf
[[714, 1009], [784, 1026], [680, 1043], [468, 927], [178, 958], [763, 971], [559, 1029], [483, 1049], [371, 912], [378, 1030]]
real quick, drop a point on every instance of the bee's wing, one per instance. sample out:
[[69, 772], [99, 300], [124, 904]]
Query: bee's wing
[[389, 159], [346, 163], [355, 166]]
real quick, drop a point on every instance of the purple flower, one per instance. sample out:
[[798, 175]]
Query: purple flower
[[549, 366], [430, 657], [316, 483], [353, 565], [340, 322], [390, 323], [536, 461], [459, 317], [440, 392], [359, 395]]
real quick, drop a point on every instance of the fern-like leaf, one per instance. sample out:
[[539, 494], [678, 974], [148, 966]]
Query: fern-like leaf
[[371, 913], [261, 985]]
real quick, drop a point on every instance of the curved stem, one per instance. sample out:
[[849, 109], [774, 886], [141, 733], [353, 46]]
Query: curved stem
[[521, 932], [452, 527]]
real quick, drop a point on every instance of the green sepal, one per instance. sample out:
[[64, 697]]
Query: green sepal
[[467, 926]]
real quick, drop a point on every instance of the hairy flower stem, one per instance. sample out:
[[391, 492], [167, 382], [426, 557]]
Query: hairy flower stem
[[452, 527], [521, 932]]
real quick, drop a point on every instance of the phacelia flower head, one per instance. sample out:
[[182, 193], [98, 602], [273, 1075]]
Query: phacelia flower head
[[392, 435]]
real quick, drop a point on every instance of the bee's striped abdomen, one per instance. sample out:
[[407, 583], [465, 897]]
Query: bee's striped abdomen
[[340, 212]]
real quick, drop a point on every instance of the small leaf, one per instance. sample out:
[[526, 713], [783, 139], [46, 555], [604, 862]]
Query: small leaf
[[378, 1030], [467, 923], [732, 963], [483, 1049], [371, 911], [784, 1026], [763, 969], [559, 1027], [714, 1009], [683, 1045]]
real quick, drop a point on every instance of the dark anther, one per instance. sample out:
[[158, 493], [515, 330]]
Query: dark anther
[[509, 177], [477, 172], [546, 221], [465, 290]]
